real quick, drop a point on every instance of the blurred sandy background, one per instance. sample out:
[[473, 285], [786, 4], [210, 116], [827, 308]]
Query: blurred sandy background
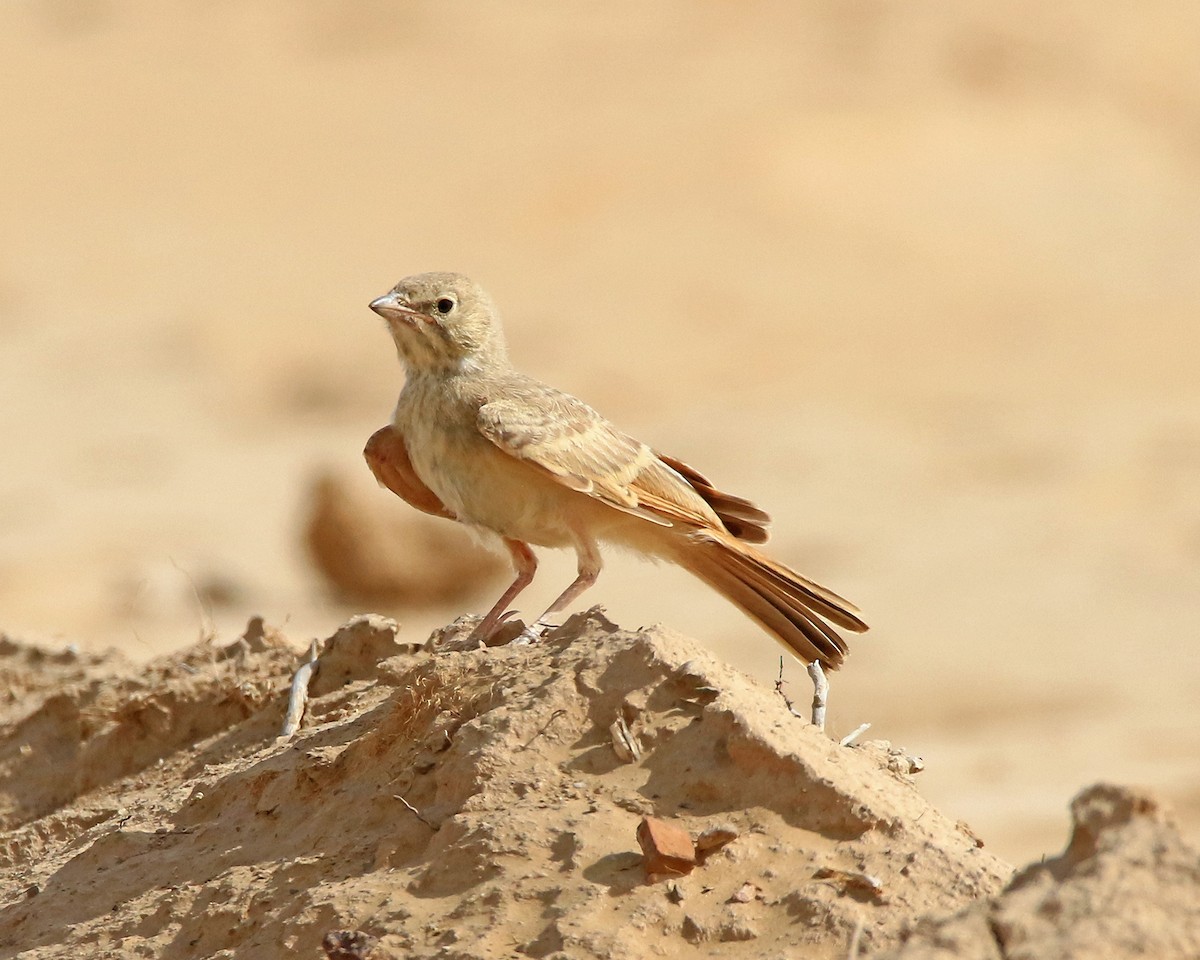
[[921, 280]]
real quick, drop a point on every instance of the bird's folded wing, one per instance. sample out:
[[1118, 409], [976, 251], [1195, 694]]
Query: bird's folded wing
[[741, 517], [568, 440], [387, 456]]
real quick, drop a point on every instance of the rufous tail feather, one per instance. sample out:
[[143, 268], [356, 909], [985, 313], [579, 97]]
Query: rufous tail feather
[[790, 606]]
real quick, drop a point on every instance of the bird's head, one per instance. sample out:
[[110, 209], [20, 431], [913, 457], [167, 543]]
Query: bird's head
[[442, 321]]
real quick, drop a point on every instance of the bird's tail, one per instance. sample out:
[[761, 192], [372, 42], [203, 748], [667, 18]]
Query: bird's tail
[[788, 605]]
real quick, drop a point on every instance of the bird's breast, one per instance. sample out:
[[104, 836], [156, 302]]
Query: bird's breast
[[478, 482]]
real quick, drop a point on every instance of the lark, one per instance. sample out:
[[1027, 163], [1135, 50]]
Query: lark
[[475, 441]]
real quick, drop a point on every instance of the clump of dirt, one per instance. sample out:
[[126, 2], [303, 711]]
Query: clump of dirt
[[369, 552], [466, 805]]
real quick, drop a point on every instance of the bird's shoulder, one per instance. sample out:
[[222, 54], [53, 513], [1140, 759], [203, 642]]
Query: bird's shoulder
[[523, 411]]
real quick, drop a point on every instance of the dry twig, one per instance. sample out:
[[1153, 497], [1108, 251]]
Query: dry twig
[[545, 726], [786, 700], [298, 698], [415, 812], [820, 694], [625, 743], [855, 734], [855, 941]]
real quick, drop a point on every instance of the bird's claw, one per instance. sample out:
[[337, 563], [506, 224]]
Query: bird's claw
[[532, 633]]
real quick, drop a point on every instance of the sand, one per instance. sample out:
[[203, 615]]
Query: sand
[[480, 803]]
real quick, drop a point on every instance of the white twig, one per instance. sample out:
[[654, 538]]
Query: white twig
[[855, 734], [855, 941], [415, 812], [298, 698], [820, 694]]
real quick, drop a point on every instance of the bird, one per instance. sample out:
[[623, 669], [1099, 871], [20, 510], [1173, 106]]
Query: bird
[[475, 441]]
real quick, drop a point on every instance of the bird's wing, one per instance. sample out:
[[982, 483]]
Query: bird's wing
[[741, 517], [387, 456], [571, 442]]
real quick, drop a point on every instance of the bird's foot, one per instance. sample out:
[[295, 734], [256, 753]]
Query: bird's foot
[[472, 632], [505, 630], [533, 633]]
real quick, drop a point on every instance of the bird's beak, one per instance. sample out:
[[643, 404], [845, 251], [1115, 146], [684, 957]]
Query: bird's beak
[[391, 307]]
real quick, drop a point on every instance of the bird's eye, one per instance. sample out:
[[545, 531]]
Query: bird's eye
[[445, 305]]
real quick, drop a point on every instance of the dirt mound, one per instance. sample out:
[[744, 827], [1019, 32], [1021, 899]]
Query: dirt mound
[[97, 719], [1126, 886], [468, 804]]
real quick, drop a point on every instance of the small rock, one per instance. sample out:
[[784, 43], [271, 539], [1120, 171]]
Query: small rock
[[693, 931], [713, 839], [966, 828], [667, 849], [862, 886], [347, 945], [896, 759], [746, 893], [736, 930]]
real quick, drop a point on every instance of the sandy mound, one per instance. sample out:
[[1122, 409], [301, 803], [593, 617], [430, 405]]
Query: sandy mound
[[1127, 886], [481, 804]]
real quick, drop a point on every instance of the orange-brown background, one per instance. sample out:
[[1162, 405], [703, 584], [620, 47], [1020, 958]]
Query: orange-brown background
[[920, 279]]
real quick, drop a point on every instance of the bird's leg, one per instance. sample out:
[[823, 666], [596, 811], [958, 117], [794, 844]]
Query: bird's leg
[[525, 564], [590, 565]]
